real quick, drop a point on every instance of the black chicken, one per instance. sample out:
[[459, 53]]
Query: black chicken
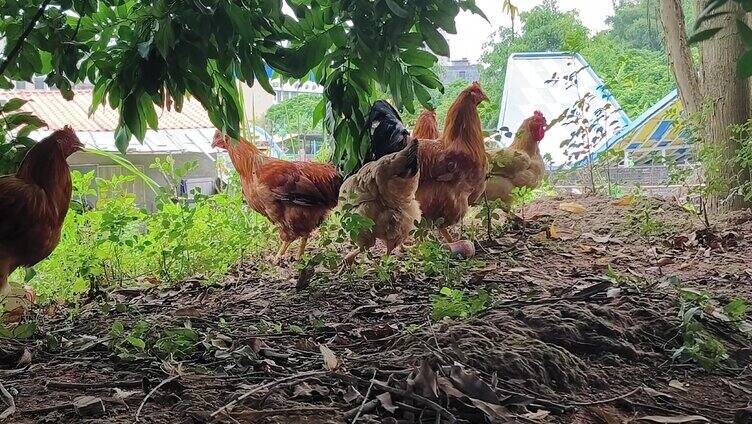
[[388, 134]]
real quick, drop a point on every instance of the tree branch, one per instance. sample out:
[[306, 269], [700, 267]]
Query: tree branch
[[680, 56], [19, 43]]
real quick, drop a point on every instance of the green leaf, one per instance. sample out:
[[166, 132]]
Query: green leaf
[[319, 112], [736, 309], [12, 105], [24, 331], [164, 39], [122, 138], [744, 32], [397, 9], [136, 342], [424, 97], [410, 40], [434, 39], [147, 107], [259, 71], [703, 35], [744, 66], [419, 58]]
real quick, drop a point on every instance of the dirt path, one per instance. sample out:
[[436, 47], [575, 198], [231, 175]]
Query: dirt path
[[585, 319]]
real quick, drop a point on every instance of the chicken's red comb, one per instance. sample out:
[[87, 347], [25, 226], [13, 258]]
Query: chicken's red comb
[[67, 133]]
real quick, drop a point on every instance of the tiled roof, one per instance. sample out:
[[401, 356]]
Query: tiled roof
[[58, 112], [187, 131]]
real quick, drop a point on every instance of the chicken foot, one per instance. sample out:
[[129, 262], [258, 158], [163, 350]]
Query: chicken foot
[[301, 250], [282, 250], [446, 234], [349, 259]]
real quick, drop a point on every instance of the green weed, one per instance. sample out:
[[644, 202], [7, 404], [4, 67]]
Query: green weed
[[456, 304]]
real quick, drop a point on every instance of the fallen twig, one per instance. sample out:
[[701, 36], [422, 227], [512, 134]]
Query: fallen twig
[[103, 385], [154, 390], [362, 409], [11, 409], [253, 391], [288, 412], [48, 409], [365, 398], [440, 410], [609, 400]]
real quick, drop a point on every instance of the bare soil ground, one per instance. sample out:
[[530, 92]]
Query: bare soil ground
[[584, 323]]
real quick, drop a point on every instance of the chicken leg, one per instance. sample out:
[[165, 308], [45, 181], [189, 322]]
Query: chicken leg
[[282, 251], [349, 259], [4, 286], [446, 234], [303, 243]]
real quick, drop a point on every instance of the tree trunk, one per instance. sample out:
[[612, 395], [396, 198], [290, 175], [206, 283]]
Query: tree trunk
[[727, 95], [680, 56]]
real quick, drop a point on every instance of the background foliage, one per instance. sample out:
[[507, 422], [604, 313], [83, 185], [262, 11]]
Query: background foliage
[[293, 116], [142, 56], [629, 56]]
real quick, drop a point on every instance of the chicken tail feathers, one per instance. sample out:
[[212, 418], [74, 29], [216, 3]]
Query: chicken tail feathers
[[388, 133], [412, 165]]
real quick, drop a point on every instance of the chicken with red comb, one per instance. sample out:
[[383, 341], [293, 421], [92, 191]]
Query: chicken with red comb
[[519, 165]]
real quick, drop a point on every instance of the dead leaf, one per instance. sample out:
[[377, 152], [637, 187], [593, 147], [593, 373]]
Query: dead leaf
[[351, 395], [472, 385], [676, 384], [553, 232], [188, 312], [258, 344], [25, 358], [537, 416], [656, 394], [425, 382], [306, 390], [665, 261], [302, 390], [496, 413], [624, 201], [448, 388], [613, 292], [607, 414], [674, 420], [738, 389], [378, 332], [331, 361], [123, 394], [596, 238], [572, 207], [386, 402], [588, 249]]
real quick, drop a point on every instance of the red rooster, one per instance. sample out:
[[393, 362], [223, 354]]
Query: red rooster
[[34, 202], [294, 196]]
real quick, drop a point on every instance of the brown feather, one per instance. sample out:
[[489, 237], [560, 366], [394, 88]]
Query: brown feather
[[34, 202], [295, 196], [426, 127], [453, 168]]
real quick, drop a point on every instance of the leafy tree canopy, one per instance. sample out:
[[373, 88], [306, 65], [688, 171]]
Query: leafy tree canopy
[[293, 116], [145, 55]]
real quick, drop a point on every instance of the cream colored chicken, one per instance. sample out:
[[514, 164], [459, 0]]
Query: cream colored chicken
[[384, 191]]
